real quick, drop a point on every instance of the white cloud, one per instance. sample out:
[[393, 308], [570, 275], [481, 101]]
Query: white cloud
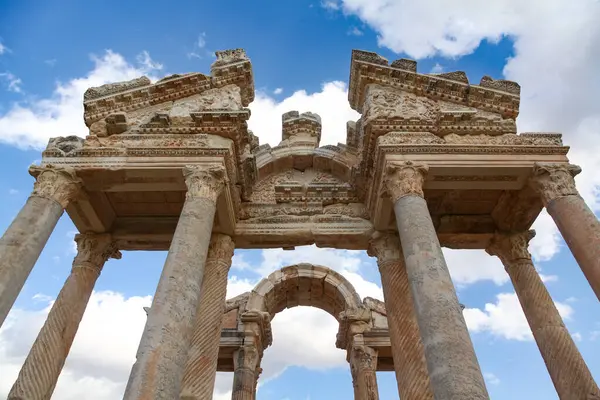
[[278, 91], [470, 266], [491, 378], [31, 123], [201, 43], [330, 4], [437, 69], [577, 336], [505, 318], [354, 31], [147, 63], [3, 48], [13, 83]]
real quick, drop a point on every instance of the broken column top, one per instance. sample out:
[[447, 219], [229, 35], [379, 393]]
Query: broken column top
[[305, 127]]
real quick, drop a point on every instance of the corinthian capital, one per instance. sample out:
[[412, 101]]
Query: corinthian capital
[[55, 183], [405, 178], [93, 250], [511, 247], [386, 247], [204, 181], [552, 181], [221, 247]]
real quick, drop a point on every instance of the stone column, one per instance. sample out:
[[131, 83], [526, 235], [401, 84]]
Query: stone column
[[407, 348], [25, 238], [162, 353], [201, 369], [570, 375], [363, 366], [453, 368], [257, 373], [577, 224], [245, 362], [46, 359]]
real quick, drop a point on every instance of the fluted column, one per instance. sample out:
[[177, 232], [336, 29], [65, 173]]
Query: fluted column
[[407, 348], [162, 354], [245, 362], [363, 366], [577, 224], [45, 361], [570, 375], [453, 368], [25, 238], [201, 369]]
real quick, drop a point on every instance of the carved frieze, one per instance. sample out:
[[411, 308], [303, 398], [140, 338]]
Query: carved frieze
[[112, 88]]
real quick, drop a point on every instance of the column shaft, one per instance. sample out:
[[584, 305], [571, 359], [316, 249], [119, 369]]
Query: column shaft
[[162, 354], [25, 238], [45, 361], [407, 347], [577, 224], [363, 365], [569, 372], [244, 376], [453, 368], [200, 372]]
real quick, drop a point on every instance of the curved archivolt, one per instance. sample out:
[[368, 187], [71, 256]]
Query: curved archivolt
[[304, 285]]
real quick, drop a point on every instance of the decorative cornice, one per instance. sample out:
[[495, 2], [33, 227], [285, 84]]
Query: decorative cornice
[[93, 250], [363, 358], [258, 323], [552, 181], [221, 248], [59, 184], [511, 247], [386, 247], [405, 178], [352, 322], [204, 181]]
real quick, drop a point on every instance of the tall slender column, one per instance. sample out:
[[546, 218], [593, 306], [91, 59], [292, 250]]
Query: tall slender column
[[407, 348], [25, 238], [453, 368], [46, 359], [163, 350], [570, 375], [201, 369], [363, 366], [245, 361], [578, 225]]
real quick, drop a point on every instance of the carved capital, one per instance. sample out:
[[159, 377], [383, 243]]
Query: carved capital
[[93, 250], [246, 357], [552, 181], [363, 358], [511, 247], [55, 183], [204, 181], [221, 248], [405, 178], [386, 247]]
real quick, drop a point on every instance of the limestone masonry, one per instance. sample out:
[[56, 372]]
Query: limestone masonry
[[433, 161]]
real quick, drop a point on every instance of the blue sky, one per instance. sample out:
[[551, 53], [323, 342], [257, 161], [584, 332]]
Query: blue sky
[[51, 51]]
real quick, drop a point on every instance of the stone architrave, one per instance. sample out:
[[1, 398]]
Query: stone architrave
[[407, 348], [162, 354], [569, 372], [451, 361], [363, 366], [45, 361], [578, 225], [245, 362], [25, 238], [200, 372]]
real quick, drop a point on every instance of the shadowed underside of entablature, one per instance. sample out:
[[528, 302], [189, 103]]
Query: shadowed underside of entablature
[[141, 135]]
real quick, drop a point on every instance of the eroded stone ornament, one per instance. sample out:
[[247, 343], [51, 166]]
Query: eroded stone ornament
[[204, 181], [55, 183], [93, 250], [510, 247], [552, 181], [386, 247], [405, 178]]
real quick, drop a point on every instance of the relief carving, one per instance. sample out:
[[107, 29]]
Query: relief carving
[[511, 247], [55, 183], [204, 181], [382, 102], [221, 247], [552, 181], [112, 88], [403, 179], [93, 250], [65, 145]]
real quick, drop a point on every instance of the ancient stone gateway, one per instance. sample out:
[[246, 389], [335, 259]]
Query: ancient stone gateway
[[433, 161]]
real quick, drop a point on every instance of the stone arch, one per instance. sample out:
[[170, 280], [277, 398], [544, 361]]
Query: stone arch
[[305, 285]]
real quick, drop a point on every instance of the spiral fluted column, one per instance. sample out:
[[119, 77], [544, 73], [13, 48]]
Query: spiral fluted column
[[25, 238], [569, 372], [39, 374], [201, 369], [577, 224], [162, 354], [407, 348], [453, 369]]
